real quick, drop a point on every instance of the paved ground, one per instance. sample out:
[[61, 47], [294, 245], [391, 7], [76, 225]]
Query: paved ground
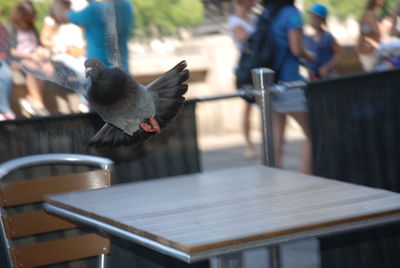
[[230, 154], [226, 152]]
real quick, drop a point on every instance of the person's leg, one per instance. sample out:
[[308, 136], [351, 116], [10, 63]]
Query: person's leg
[[278, 123], [34, 88], [246, 130], [302, 119], [5, 89], [33, 104]]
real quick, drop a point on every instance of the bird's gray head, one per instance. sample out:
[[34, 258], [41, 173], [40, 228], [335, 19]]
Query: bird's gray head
[[92, 66]]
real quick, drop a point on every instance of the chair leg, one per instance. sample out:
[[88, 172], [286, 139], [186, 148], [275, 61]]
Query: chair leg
[[102, 261]]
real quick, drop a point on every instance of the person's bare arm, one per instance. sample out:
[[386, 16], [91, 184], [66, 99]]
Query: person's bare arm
[[20, 55], [296, 45], [371, 42], [46, 35], [330, 65]]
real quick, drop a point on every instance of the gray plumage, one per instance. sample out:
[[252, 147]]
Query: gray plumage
[[125, 105]]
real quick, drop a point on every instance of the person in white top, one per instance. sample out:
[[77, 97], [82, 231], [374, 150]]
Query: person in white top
[[67, 46], [65, 41], [241, 25]]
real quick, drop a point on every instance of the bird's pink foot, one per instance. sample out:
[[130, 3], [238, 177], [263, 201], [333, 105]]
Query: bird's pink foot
[[152, 127]]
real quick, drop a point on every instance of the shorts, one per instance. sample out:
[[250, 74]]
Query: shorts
[[290, 101]]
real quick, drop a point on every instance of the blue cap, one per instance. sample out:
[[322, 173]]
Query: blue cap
[[319, 10]]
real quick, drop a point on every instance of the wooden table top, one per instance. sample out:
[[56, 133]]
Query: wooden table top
[[206, 211]]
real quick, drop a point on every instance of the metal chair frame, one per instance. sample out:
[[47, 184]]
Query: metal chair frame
[[48, 159]]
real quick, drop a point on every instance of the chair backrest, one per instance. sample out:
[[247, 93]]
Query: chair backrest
[[33, 222]]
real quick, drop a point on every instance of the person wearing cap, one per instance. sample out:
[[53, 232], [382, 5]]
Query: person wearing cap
[[323, 44]]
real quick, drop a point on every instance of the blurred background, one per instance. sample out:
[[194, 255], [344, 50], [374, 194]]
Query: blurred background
[[167, 31]]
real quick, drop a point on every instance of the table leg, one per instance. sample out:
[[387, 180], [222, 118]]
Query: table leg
[[102, 261], [275, 256], [230, 261]]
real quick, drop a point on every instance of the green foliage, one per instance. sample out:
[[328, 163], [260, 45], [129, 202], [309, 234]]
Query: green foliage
[[164, 17], [343, 8], [5, 9], [153, 17], [42, 9]]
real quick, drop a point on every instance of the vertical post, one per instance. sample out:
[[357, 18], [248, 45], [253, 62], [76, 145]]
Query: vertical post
[[5, 241], [102, 261], [263, 79]]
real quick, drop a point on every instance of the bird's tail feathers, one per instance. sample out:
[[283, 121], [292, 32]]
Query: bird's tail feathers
[[171, 78], [110, 136], [173, 92], [168, 92]]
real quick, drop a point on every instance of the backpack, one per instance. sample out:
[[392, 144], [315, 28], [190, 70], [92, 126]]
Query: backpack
[[257, 51]]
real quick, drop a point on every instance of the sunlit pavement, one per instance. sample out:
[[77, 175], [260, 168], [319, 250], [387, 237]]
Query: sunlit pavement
[[226, 151]]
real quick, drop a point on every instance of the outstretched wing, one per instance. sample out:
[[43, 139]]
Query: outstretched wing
[[66, 77], [63, 76], [167, 91]]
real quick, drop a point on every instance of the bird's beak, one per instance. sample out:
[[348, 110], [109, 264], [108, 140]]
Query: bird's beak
[[87, 71]]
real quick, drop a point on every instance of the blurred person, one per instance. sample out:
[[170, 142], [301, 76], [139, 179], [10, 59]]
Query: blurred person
[[6, 81], [369, 31], [287, 28], [395, 16], [65, 41], [323, 44], [67, 46], [387, 55], [241, 25], [97, 19], [26, 51]]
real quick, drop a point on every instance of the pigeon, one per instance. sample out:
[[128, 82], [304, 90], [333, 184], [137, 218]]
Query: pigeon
[[133, 112]]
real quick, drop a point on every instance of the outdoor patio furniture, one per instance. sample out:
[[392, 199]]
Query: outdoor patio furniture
[[22, 217], [195, 217]]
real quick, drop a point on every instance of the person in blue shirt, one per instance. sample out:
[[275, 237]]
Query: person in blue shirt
[[322, 44], [287, 28], [108, 26]]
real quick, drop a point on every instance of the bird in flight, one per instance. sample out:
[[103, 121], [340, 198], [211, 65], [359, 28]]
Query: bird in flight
[[133, 112]]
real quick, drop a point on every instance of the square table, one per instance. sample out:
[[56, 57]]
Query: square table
[[198, 216]]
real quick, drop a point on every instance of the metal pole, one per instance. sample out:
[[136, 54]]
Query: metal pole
[[263, 79]]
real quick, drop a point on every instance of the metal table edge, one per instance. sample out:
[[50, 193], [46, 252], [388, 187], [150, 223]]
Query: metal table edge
[[202, 255], [118, 232]]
